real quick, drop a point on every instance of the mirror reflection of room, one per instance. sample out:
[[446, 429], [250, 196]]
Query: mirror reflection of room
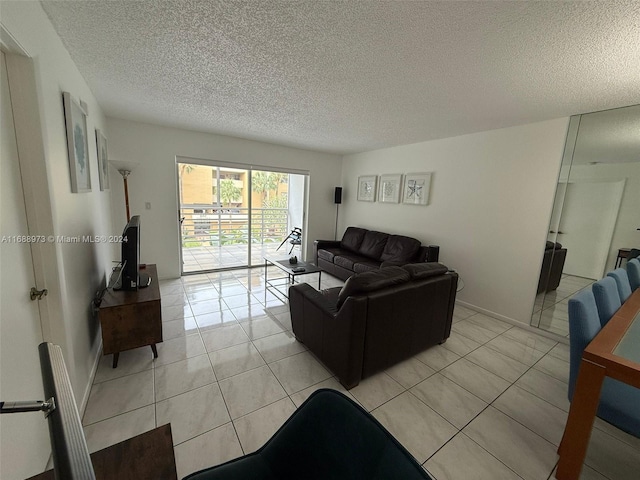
[[594, 222]]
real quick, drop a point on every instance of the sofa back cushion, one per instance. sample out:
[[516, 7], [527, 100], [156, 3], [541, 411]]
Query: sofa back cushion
[[370, 281], [352, 238], [425, 270], [373, 244], [400, 249]]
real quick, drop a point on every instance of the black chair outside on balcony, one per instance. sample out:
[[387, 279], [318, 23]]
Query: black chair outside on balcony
[[294, 237]]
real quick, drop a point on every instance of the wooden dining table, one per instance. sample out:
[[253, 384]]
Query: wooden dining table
[[615, 353]]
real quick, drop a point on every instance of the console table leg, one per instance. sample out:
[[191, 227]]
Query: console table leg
[[115, 359], [154, 350]]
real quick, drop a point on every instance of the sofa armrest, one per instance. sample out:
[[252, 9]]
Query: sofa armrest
[[335, 337], [313, 296], [321, 244]]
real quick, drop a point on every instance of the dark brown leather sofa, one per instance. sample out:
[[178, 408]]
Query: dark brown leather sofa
[[362, 250], [552, 265], [376, 320]]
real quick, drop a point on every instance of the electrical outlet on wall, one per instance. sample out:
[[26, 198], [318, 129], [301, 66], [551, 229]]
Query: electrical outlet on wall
[[147, 205]]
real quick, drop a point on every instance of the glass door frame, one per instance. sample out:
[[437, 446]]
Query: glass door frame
[[249, 169]]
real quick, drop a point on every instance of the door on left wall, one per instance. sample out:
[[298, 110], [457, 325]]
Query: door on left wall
[[24, 437]]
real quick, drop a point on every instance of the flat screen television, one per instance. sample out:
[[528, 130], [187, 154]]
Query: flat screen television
[[132, 278]]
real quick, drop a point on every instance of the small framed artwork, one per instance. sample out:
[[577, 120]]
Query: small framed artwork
[[77, 144], [103, 164], [416, 188], [389, 188], [367, 188]]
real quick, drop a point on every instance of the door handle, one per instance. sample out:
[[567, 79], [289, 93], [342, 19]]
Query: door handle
[[551, 231], [560, 233]]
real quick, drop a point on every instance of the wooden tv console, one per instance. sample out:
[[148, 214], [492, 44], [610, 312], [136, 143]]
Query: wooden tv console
[[131, 318]]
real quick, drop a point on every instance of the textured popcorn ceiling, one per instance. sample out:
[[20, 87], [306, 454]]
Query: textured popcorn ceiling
[[349, 76]]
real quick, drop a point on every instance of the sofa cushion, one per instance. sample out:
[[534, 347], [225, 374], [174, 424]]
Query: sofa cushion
[[365, 266], [352, 238], [400, 249], [346, 260], [370, 281], [373, 244], [425, 270], [328, 253]]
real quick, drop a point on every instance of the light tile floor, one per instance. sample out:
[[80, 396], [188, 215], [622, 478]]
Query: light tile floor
[[491, 403], [550, 311]]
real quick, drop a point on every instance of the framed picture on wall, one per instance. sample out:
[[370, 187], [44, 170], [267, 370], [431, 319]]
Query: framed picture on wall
[[389, 188], [77, 144], [103, 164], [416, 188], [367, 188]]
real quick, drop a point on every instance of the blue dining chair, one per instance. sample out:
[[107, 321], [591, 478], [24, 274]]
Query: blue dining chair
[[618, 401], [622, 282], [633, 272], [607, 298]]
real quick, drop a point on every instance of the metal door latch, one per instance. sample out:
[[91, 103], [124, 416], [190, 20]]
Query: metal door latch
[[47, 407], [35, 293]]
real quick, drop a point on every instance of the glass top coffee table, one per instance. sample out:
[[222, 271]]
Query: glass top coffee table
[[292, 270]]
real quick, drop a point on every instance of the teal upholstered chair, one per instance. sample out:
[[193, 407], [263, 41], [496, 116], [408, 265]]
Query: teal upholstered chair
[[618, 401], [607, 298], [633, 272], [328, 437], [622, 282]]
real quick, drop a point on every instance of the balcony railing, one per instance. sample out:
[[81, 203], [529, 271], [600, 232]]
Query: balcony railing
[[210, 225]]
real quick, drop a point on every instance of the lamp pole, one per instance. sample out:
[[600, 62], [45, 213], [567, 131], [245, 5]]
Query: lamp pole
[[125, 174]]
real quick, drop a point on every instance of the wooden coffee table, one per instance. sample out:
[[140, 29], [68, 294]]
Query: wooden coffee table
[[148, 456], [291, 269]]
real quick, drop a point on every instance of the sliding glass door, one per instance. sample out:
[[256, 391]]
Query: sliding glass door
[[232, 217]]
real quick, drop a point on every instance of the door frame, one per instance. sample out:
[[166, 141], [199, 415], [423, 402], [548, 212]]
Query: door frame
[[31, 164], [250, 168], [33, 172]]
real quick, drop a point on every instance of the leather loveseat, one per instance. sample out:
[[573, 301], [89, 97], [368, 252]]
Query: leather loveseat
[[377, 319], [362, 250], [552, 265]]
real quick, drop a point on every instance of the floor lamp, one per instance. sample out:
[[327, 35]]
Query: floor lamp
[[124, 168], [125, 174]]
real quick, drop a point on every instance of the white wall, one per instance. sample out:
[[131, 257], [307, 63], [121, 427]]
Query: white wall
[[489, 208], [153, 180], [74, 270]]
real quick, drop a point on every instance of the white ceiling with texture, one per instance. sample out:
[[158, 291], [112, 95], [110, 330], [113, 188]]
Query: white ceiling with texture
[[350, 76]]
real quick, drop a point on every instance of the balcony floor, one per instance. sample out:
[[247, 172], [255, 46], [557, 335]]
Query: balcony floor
[[204, 258]]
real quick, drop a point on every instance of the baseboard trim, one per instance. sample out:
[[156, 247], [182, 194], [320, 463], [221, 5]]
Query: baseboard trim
[[513, 321], [92, 377]]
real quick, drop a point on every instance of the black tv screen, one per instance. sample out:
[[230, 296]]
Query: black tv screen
[[132, 278]]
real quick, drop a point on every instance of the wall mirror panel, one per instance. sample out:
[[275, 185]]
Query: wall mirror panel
[[596, 214]]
